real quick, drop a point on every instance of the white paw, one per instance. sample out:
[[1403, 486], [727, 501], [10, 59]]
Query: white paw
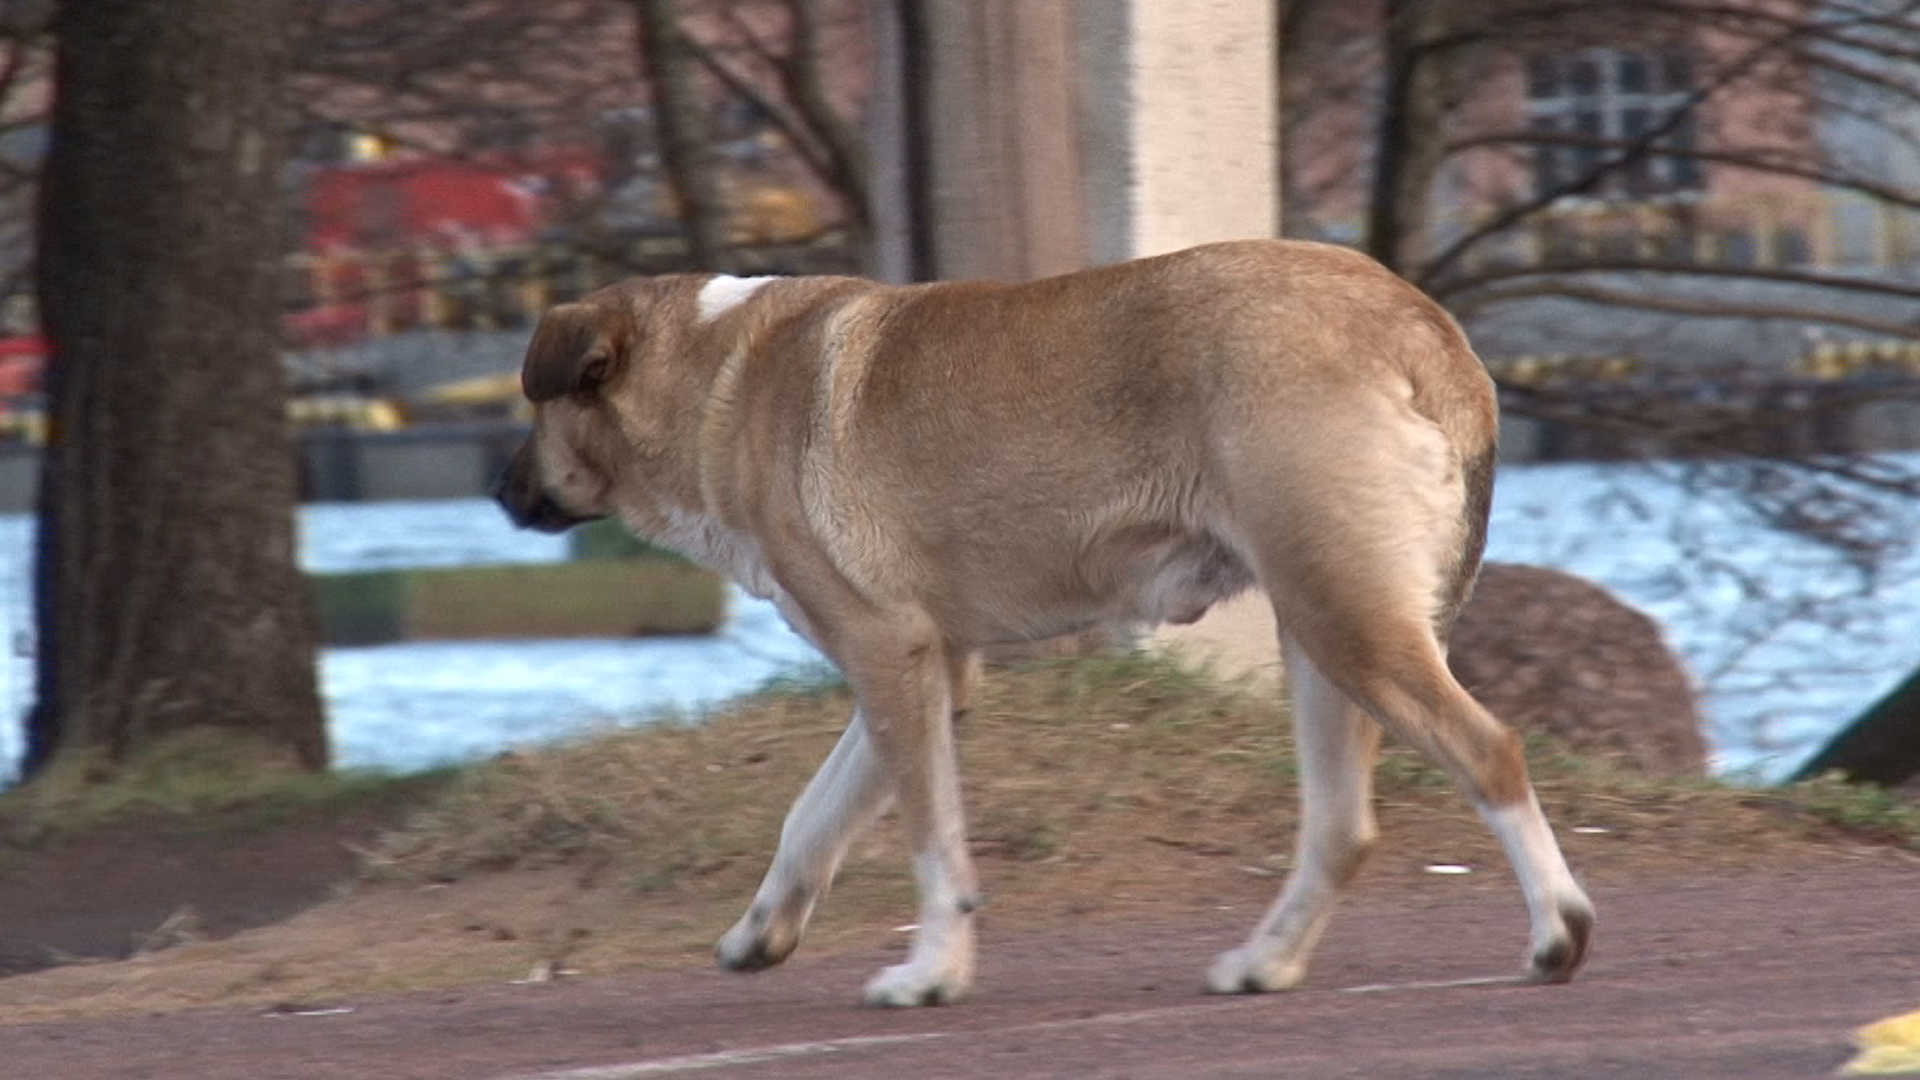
[[1555, 955], [905, 986], [1246, 970], [756, 943]]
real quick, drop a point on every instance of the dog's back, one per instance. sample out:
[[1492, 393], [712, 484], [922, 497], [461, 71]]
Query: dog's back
[[1124, 428]]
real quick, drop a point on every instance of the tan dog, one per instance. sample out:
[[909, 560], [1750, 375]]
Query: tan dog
[[911, 473]]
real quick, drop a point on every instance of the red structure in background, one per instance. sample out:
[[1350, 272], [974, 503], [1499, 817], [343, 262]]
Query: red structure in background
[[392, 215], [374, 232], [385, 205], [21, 359]]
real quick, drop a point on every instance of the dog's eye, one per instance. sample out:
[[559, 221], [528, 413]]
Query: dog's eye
[[594, 371]]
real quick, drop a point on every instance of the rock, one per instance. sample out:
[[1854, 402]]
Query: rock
[[1549, 652]]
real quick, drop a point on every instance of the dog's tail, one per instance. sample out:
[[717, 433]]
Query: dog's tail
[[1452, 389], [1477, 472]]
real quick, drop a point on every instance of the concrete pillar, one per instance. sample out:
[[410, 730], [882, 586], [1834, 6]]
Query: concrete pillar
[[1005, 179], [1032, 137], [1020, 138], [1179, 124], [1179, 147], [975, 150]]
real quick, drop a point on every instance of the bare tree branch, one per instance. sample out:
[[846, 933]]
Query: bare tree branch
[[1779, 161], [685, 147], [1591, 293], [1465, 285], [806, 80]]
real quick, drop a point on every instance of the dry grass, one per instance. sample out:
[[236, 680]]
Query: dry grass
[[197, 774], [1106, 788], [1084, 777]]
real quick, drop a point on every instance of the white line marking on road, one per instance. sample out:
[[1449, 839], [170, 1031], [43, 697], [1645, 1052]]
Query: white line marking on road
[[721, 1059], [754, 1055], [1440, 984]]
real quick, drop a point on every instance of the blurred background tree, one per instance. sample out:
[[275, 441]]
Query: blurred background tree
[[1686, 231], [168, 601], [721, 122], [1742, 179]]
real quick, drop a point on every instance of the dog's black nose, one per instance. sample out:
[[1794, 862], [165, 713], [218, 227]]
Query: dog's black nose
[[550, 516], [497, 491], [540, 513], [505, 493], [524, 497], [525, 501]]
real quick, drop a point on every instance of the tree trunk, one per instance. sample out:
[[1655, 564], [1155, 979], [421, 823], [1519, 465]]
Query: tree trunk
[[1409, 143], [900, 186], [1881, 747], [849, 167], [167, 598], [991, 137], [679, 111]]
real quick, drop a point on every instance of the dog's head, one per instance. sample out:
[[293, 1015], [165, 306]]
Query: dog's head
[[564, 474]]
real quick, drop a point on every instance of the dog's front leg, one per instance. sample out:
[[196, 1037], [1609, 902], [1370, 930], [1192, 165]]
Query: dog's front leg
[[904, 680], [848, 793]]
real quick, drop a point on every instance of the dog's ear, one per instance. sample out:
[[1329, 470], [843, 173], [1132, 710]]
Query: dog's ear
[[573, 349]]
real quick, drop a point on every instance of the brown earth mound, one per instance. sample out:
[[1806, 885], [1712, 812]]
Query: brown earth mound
[[1549, 652], [152, 881]]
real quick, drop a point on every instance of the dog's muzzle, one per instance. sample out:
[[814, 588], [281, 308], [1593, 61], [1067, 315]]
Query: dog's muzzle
[[520, 493]]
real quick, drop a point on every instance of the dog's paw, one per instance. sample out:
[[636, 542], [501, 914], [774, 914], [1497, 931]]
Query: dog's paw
[[906, 986], [1555, 959], [1247, 970], [754, 944]]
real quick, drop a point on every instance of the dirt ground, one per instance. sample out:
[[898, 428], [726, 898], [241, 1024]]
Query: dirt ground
[[1756, 977], [143, 885], [1756, 971]]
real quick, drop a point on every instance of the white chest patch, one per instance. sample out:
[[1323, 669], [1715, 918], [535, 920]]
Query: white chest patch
[[725, 292], [713, 546]]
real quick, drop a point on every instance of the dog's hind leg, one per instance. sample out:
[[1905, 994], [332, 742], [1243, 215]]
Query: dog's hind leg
[[848, 792], [1381, 650], [1361, 594], [1336, 743], [1410, 691]]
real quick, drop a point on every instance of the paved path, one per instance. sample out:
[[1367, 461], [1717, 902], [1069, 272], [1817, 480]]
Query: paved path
[[1754, 978]]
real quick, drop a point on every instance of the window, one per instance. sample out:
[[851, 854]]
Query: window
[[1613, 97]]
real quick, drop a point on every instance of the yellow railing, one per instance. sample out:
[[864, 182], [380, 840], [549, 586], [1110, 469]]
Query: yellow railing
[[1822, 229], [28, 423], [1839, 359], [1826, 361], [340, 297]]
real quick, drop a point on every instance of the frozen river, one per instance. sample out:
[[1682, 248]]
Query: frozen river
[[417, 704]]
